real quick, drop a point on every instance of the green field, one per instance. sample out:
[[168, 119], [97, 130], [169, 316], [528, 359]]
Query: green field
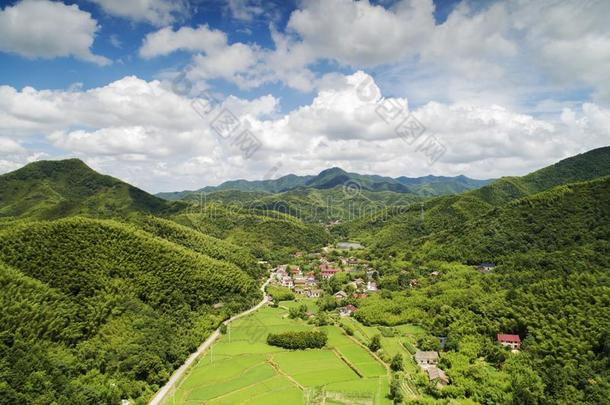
[[242, 369]]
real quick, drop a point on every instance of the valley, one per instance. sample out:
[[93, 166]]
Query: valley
[[108, 291]]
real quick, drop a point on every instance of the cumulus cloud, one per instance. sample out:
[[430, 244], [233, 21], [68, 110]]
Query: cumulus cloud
[[141, 131], [155, 12], [166, 41], [46, 29]]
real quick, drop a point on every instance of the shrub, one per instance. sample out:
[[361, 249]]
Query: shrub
[[298, 340]]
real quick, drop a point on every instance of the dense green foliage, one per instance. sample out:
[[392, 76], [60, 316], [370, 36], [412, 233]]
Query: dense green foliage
[[95, 311], [298, 340], [200, 242], [269, 235], [54, 189], [396, 229]]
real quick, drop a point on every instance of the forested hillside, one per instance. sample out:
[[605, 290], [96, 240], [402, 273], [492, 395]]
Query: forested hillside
[[54, 189], [95, 311], [266, 234], [396, 229]]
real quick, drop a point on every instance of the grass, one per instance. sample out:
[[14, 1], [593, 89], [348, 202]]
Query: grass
[[241, 368]]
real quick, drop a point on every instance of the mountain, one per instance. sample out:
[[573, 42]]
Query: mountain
[[336, 177], [95, 311], [53, 189], [560, 218], [398, 229]]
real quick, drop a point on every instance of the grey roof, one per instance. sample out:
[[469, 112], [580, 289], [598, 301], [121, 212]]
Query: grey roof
[[435, 373], [420, 355]]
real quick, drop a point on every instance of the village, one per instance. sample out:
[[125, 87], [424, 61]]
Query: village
[[338, 273]]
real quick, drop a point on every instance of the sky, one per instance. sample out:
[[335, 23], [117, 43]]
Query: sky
[[174, 95]]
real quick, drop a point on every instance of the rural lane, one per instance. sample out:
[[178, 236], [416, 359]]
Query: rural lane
[[177, 375]]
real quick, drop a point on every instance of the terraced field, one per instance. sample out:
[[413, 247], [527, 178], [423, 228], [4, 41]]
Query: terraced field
[[242, 369]]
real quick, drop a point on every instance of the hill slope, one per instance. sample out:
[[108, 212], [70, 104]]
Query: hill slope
[[396, 230], [53, 189], [109, 310]]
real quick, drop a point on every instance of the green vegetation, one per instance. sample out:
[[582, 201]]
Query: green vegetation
[[200, 242], [280, 293], [268, 235], [54, 189], [298, 340], [95, 310], [243, 368]]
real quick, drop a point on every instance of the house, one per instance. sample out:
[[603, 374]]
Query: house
[[438, 375], [435, 273], [296, 271], [359, 282], [314, 293], [347, 310], [300, 281], [426, 358], [511, 341], [326, 271], [360, 295], [486, 267], [413, 282], [299, 290], [372, 273], [287, 282], [340, 295], [371, 286], [218, 305]]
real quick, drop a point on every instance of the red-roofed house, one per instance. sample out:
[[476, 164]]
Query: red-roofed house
[[347, 310], [327, 272], [512, 341]]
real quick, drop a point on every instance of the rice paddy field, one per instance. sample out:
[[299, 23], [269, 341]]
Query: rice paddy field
[[241, 368]]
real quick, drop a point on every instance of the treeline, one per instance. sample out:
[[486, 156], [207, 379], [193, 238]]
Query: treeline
[[298, 340]]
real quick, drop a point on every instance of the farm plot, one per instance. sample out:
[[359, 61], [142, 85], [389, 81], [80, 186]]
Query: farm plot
[[242, 369]]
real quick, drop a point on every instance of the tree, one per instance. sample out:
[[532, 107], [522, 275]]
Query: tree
[[375, 343], [395, 391], [396, 364]]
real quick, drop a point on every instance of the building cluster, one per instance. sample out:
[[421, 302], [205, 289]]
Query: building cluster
[[292, 277], [428, 361]]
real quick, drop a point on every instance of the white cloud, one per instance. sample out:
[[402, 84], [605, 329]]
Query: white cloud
[[46, 29], [166, 41], [10, 146], [359, 33], [155, 12], [144, 133], [245, 10], [571, 40]]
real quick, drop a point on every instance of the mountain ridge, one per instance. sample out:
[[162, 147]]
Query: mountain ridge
[[429, 185]]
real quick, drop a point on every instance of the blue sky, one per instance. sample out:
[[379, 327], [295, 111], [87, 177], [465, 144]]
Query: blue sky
[[499, 88]]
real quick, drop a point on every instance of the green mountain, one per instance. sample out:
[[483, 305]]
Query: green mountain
[[561, 218], [95, 311], [395, 229], [336, 177], [54, 189]]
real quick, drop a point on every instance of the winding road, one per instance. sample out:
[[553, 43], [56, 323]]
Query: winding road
[[179, 373]]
